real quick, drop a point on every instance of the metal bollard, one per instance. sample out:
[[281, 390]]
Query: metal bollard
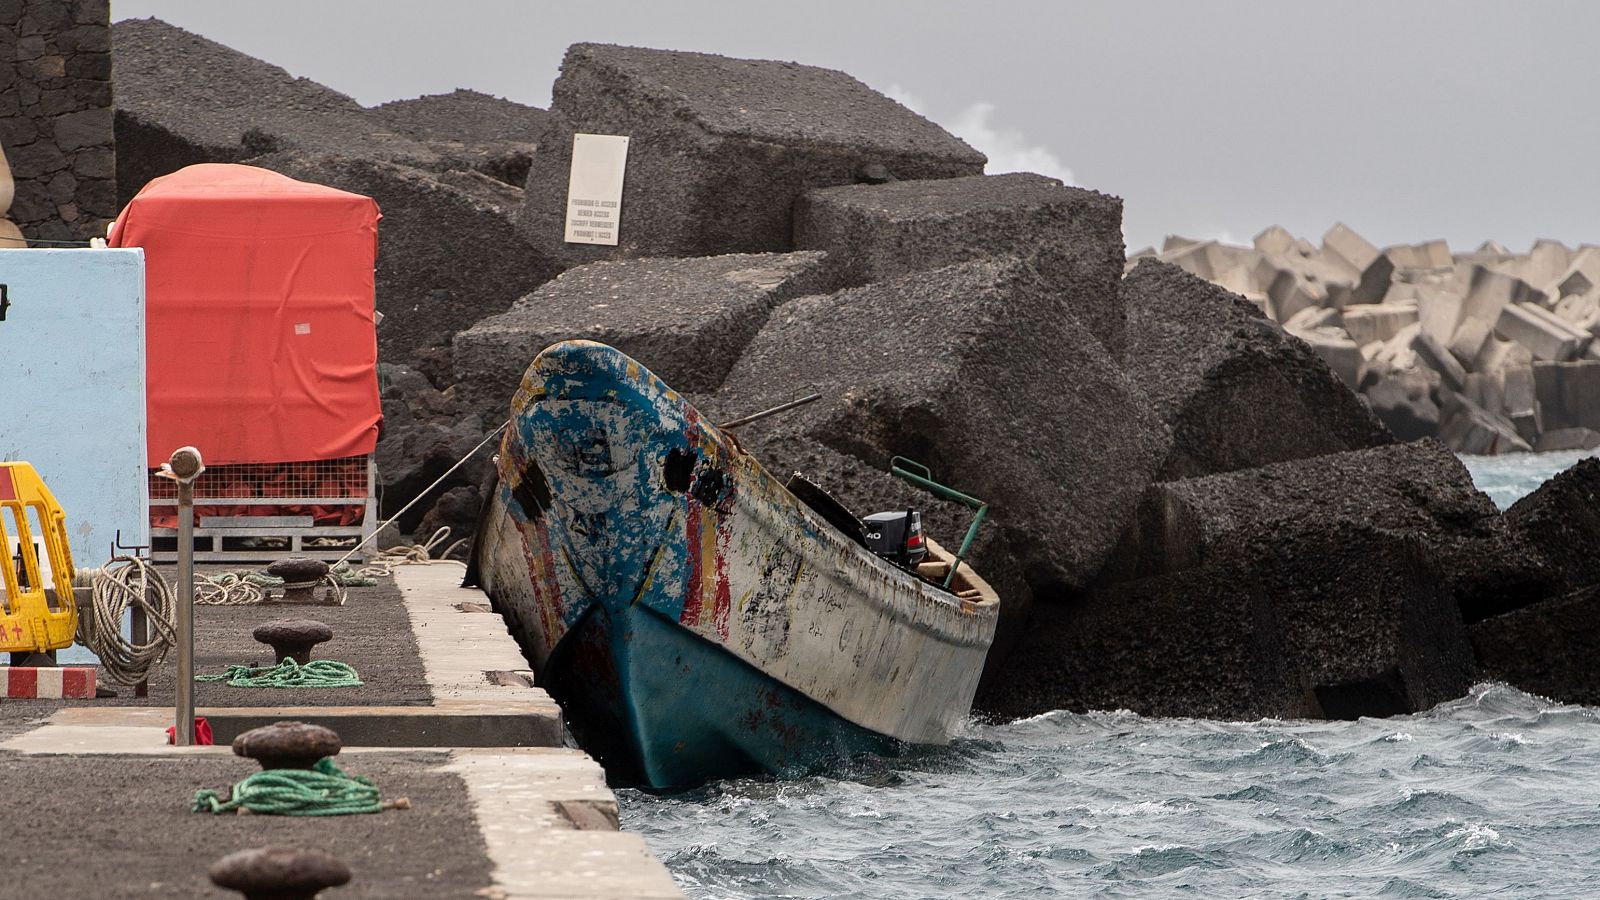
[[184, 467]]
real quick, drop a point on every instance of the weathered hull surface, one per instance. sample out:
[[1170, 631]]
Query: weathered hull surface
[[694, 618]]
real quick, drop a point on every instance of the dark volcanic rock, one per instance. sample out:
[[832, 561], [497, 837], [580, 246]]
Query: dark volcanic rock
[[448, 255], [686, 320], [974, 371], [456, 510], [489, 134], [424, 434], [1236, 390], [1561, 523], [1333, 619], [1071, 237], [720, 148], [1420, 488], [183, 99], [1548, 649]]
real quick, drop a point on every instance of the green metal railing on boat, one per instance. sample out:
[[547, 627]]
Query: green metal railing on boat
[[923, 478]]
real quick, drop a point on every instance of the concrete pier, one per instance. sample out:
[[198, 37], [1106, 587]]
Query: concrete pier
[[499, 806]]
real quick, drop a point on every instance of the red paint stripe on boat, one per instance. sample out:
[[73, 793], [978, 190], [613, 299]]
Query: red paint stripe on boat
[[719, 612]]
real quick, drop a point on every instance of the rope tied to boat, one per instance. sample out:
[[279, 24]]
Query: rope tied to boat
[[319, 673], [322, 790]]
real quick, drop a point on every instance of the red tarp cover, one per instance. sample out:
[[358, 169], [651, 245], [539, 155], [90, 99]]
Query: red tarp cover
[[259, 323]]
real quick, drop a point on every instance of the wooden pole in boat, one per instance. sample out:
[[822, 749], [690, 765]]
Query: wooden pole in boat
[[782, 407]]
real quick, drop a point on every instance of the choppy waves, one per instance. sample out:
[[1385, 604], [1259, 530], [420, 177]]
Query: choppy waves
[[1495, 792]]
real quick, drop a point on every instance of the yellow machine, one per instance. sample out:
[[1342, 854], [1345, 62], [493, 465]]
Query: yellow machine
[[32, 620]]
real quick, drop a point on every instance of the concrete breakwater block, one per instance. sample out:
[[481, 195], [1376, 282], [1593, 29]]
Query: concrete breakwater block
[[687, 320], [1072, 237], [475, 130], [1329, 620], [976, 372], [1420, 489], [1546, 649], [47, 682], [448, 254], [184, 99], [1560, 522], [721, 148], [1233, 387]]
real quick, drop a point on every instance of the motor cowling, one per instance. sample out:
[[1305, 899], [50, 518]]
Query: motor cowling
[[897, 537]]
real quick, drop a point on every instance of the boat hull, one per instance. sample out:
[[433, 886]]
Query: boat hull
[[625, 534], [659, 706]]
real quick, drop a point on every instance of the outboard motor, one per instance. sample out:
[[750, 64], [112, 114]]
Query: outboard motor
[[897, 537]]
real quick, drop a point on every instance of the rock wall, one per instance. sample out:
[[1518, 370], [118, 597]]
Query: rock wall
[[55, 116]]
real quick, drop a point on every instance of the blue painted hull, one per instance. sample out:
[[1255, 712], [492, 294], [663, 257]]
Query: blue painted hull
[[663, 708]]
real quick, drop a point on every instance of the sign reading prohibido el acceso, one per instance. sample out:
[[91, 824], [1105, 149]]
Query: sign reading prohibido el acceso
[[594, 189]]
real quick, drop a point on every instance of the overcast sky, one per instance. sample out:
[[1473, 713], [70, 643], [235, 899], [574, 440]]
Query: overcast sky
[[1408, 121]]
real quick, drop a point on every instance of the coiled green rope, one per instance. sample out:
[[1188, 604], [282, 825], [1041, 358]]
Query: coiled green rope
[[323, 790], [319, 673]]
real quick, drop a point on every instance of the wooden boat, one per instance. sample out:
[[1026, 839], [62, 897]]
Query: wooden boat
[[693, 617]]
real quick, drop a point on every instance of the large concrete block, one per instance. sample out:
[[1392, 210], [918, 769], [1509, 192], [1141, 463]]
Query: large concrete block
[[1467, 343], [687, 320], [1431, 353], [1419, 488], [184, 99], [1547, 649], [975, 372], [1546, 262], [1544, 335], [489, 134], [1071, 237], [449, 253], [1466, 427], [1568, 394], [1377, 322], [721, 148], [1355, 252], [1490, 291], [1236, 390], [1274, 239], [1560, 521], [1316, 618], [1583, 273]]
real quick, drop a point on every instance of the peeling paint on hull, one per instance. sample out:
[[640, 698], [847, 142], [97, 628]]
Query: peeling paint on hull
[[626, 534]]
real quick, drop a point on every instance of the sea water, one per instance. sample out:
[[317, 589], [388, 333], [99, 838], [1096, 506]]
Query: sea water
[[1494, 794]]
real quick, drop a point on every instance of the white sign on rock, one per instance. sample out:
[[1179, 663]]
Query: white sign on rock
[[594, 189]]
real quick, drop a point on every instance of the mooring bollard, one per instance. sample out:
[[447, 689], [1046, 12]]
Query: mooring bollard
[[300, 578], [287, 745], [184, 467], [292, 638], [279, 873]]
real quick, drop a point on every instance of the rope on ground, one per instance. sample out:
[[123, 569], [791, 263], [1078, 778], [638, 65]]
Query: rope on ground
[[319, 673], [322, 790], [123, 584]]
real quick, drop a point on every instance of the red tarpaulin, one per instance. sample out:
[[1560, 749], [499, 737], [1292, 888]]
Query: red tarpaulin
[[259, 322]]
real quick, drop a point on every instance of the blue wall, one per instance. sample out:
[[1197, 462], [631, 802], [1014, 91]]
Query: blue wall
[[72, 369]]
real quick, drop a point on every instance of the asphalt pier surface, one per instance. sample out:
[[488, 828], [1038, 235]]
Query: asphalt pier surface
[[447, 717]]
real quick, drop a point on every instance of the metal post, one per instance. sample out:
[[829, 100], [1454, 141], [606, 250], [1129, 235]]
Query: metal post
[[184, 467], [141, 636]]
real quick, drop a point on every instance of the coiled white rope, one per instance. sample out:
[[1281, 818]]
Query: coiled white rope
[[125, 583]]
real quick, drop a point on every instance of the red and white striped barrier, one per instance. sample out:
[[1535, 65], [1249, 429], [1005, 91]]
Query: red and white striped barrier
[[55, 683]]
